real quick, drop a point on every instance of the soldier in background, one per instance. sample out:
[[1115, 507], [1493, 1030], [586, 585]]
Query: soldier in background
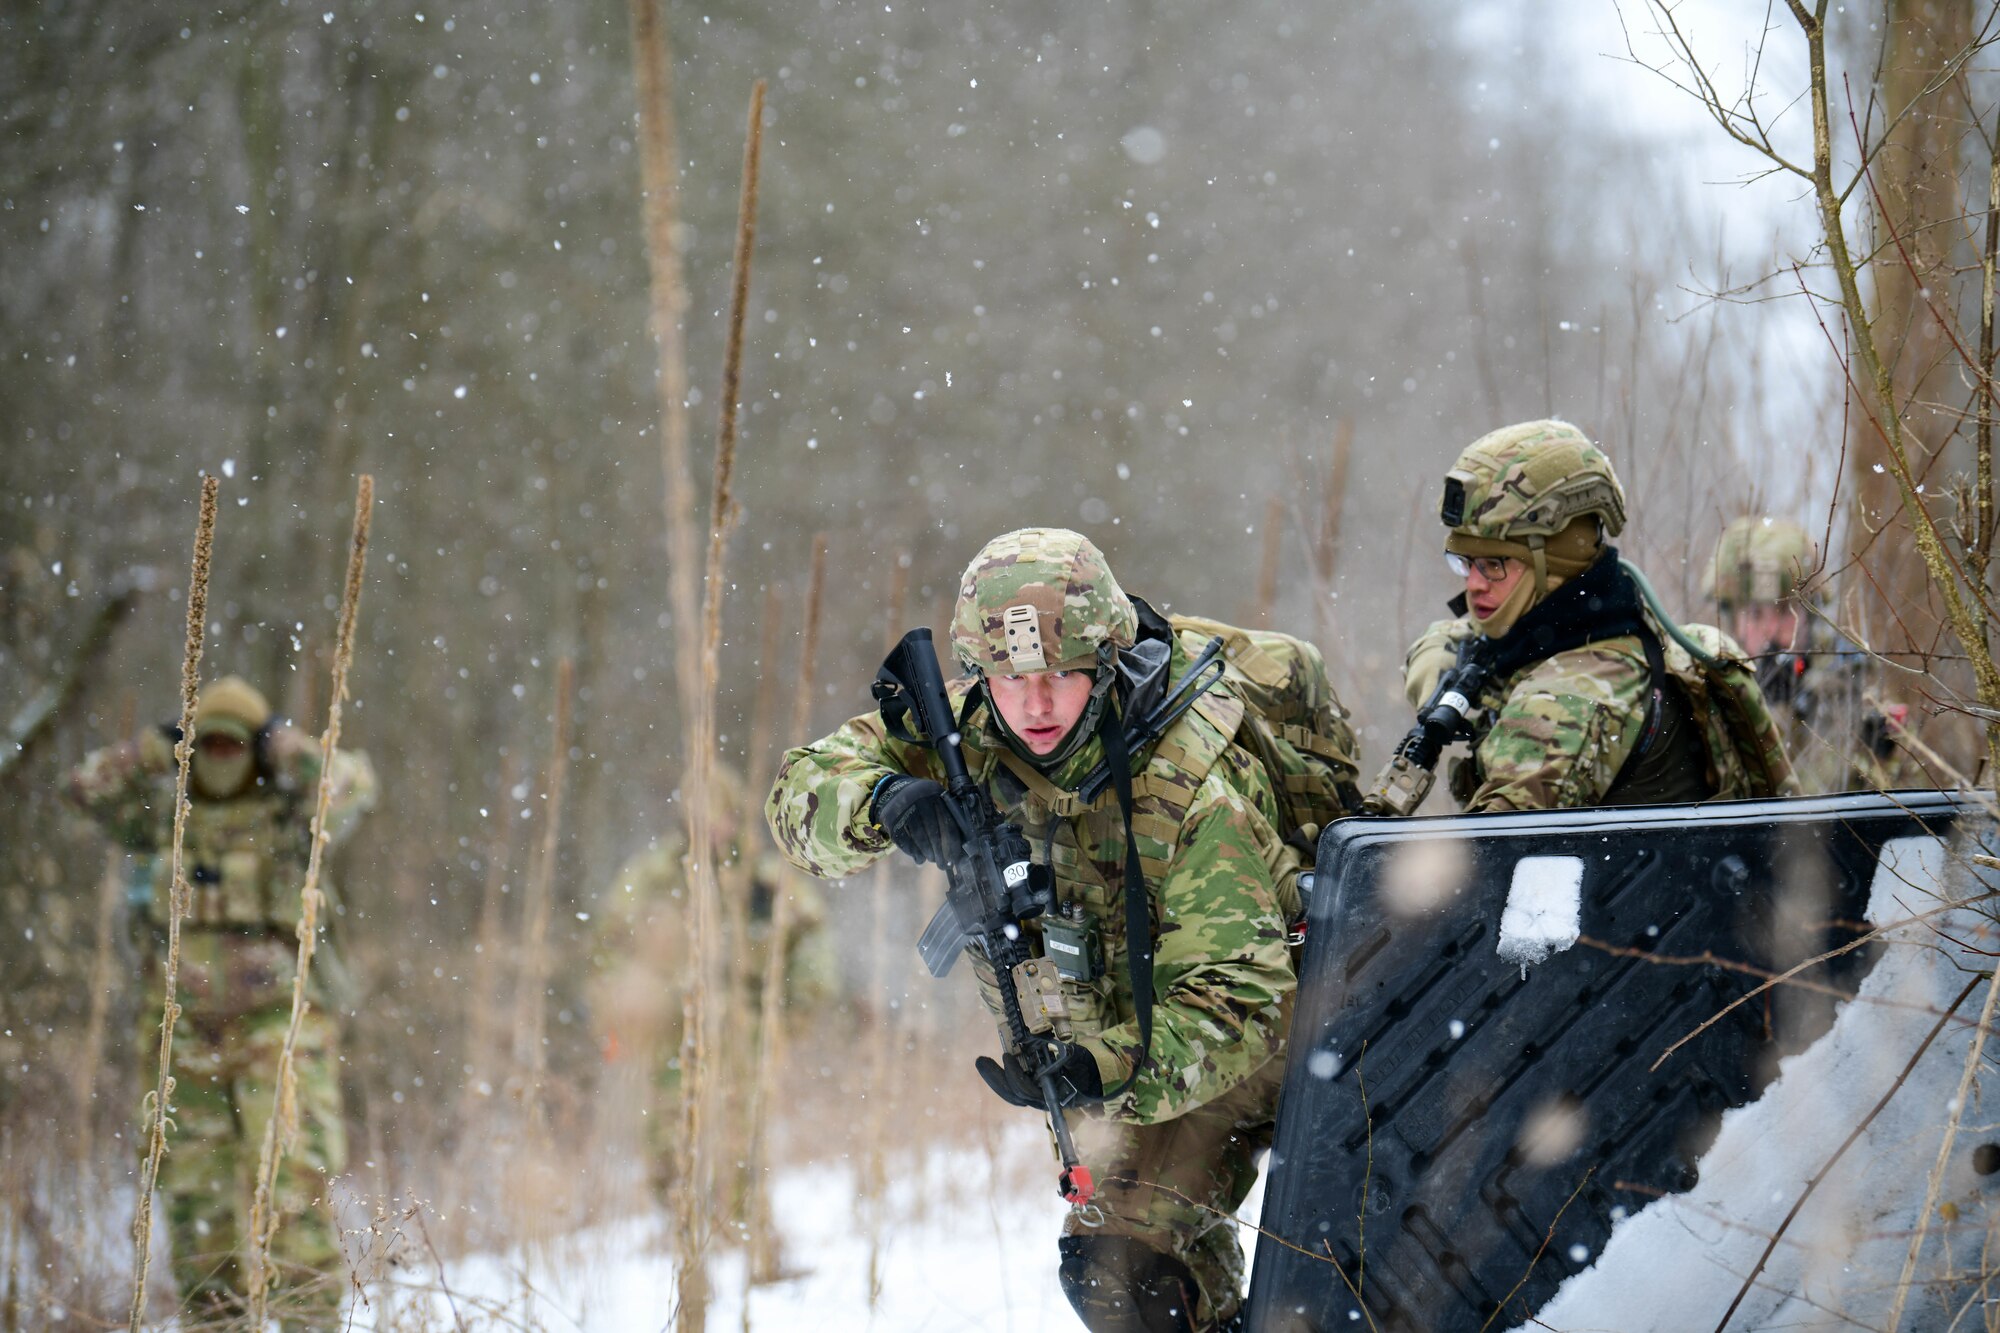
[[1586, 696], [638, 953], [252, 790], [1819, 685]]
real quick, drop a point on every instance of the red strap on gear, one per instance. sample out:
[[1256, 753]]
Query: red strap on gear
[[1077, 1186]]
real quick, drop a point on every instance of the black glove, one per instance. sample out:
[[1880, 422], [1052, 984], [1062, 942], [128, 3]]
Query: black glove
[[1076, 1079], [912, 811]]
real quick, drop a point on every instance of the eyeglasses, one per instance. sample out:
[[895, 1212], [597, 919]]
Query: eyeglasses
[[1492, 568]]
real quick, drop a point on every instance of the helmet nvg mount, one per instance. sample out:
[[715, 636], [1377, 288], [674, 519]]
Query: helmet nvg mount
[[1039, 599]]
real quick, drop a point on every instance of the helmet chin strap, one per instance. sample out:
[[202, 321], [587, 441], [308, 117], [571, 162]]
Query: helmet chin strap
[[1087, 724]]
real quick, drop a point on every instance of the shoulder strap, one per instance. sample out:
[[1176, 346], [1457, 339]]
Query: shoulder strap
[[1138, 914]]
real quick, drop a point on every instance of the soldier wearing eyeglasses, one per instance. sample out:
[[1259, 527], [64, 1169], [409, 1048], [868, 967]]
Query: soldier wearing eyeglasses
[[1586, 694]]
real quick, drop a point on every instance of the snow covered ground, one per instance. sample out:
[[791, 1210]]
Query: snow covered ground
[[966, 1247]]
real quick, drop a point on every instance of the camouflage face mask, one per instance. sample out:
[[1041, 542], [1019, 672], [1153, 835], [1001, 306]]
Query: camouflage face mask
[[219, 776]]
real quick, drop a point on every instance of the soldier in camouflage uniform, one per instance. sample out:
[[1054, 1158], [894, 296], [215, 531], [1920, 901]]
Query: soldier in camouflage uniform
[[1589, 697], [1818, 684], [638, 952], [1055, 655], [251, 795]]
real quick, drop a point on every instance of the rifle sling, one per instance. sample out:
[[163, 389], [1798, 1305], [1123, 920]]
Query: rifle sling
[[1138, 914]]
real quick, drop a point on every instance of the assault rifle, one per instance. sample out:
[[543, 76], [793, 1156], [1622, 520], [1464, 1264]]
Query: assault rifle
[[1407, 778], [991, 884]]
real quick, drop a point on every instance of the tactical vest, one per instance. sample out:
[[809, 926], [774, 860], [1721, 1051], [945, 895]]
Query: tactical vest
[[244, 861], [1162, 793], [1708, 734]]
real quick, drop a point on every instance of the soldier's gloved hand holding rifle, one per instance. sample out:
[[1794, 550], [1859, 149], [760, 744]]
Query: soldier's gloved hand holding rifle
[[1410, 772], [917, 817], [992, 886], [1070, 1068]]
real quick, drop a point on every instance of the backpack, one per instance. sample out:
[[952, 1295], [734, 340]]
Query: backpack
[[1723, 686], [1293, 722]]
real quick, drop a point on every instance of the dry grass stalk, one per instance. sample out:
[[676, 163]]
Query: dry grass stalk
[[1326, 551], [694, 1193], [1326, 541], [531, 989], [91, 1063], [1267, 567], [802, 692], [1973, 1060], [660, 173], [739, 1043], [482, 995], [161, 1097], [762, 1256], [873, 1184], [1791, 1215], [764, 708], [281, 1130]]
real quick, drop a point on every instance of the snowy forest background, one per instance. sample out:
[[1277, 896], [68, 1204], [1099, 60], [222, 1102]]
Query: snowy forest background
[[1225, 287]]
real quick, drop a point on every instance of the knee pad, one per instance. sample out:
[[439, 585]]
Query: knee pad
[[1120, 1285]]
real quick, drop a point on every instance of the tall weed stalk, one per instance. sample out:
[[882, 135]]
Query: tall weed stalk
[[281, 1130], [759, 1237], [161, 1097]]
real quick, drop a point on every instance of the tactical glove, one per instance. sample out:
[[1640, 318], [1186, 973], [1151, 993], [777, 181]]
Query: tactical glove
[[912, 811], [1076, 1079]]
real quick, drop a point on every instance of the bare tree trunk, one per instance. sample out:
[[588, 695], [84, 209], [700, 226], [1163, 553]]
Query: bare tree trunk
[[1915, 180]]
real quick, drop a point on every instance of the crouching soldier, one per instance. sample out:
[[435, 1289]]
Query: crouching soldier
[[1559, 669], [1172, 1074]]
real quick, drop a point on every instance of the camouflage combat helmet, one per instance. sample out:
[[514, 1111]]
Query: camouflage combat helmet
[[233, 706], [1039, 599], [1043, 599], [1515, 489], [1758, 559]]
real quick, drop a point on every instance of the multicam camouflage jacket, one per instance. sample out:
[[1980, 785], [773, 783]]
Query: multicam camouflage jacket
[[1557, 733], [1222, 883], [637, 956], [244, 861]]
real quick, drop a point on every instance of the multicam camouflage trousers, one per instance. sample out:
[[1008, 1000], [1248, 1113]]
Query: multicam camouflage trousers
[[225, 1073], [1176, 1186]]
